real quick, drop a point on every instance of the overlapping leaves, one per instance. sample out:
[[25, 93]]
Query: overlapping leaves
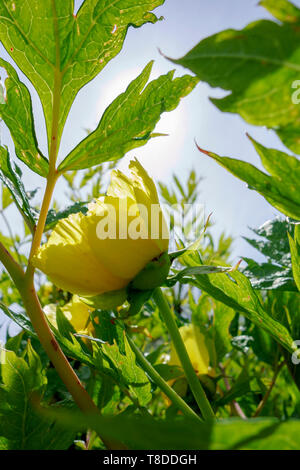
[[60, 51], [259, 65], [11, 178], [20, 426], [235, 291], [129, 121], [273, 242]]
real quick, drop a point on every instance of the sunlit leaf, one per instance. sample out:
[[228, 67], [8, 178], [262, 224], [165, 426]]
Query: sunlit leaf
[[130, 120], [284, 10], [20, 318], [16, 112], [7, 198], [10, 176], [184, 274], [295, 253], [273, 243], [53, 217], [60, 51], [280, 187]]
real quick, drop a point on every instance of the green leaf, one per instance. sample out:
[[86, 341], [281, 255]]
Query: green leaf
[[264, 346], [113, 358], [284, 306], [269, 276], [7, 198], [20, 318], [169, 372], [280, 188], [283, 10], [106, 394], [236, 292], [53, 217], [64, 326], [16, 112], [273, 243], [184, 274], [60, 52], [20, 426], [109, 329], [240, 388], [258, 65], [219, 331], [147, 433], [295, 253], [130, 120], [129, 372], [73, 347], [10, 176]]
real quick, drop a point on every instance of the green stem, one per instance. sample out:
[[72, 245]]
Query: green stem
[[190, 374], [154, 375]]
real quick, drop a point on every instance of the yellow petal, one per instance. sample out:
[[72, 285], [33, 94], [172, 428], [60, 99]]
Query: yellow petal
[[194, 342], [139, 187], [123, 257], [69, 262], [78, 314]]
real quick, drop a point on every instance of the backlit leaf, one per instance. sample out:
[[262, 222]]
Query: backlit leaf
[[10, 176], [280, 187], [273, 242], [295, 253], [16, 112], [130, 120], [60, 51]]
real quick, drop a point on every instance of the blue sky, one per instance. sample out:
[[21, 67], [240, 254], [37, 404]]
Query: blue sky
[[186, 22]]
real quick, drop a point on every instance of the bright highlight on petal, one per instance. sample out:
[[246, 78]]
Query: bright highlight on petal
[[105, 249]]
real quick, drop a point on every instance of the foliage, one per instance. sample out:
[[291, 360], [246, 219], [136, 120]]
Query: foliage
[[248, 316]]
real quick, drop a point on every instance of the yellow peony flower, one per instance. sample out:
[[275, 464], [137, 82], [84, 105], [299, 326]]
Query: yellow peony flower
[[105, 249], [194, 342], [78, 314]]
